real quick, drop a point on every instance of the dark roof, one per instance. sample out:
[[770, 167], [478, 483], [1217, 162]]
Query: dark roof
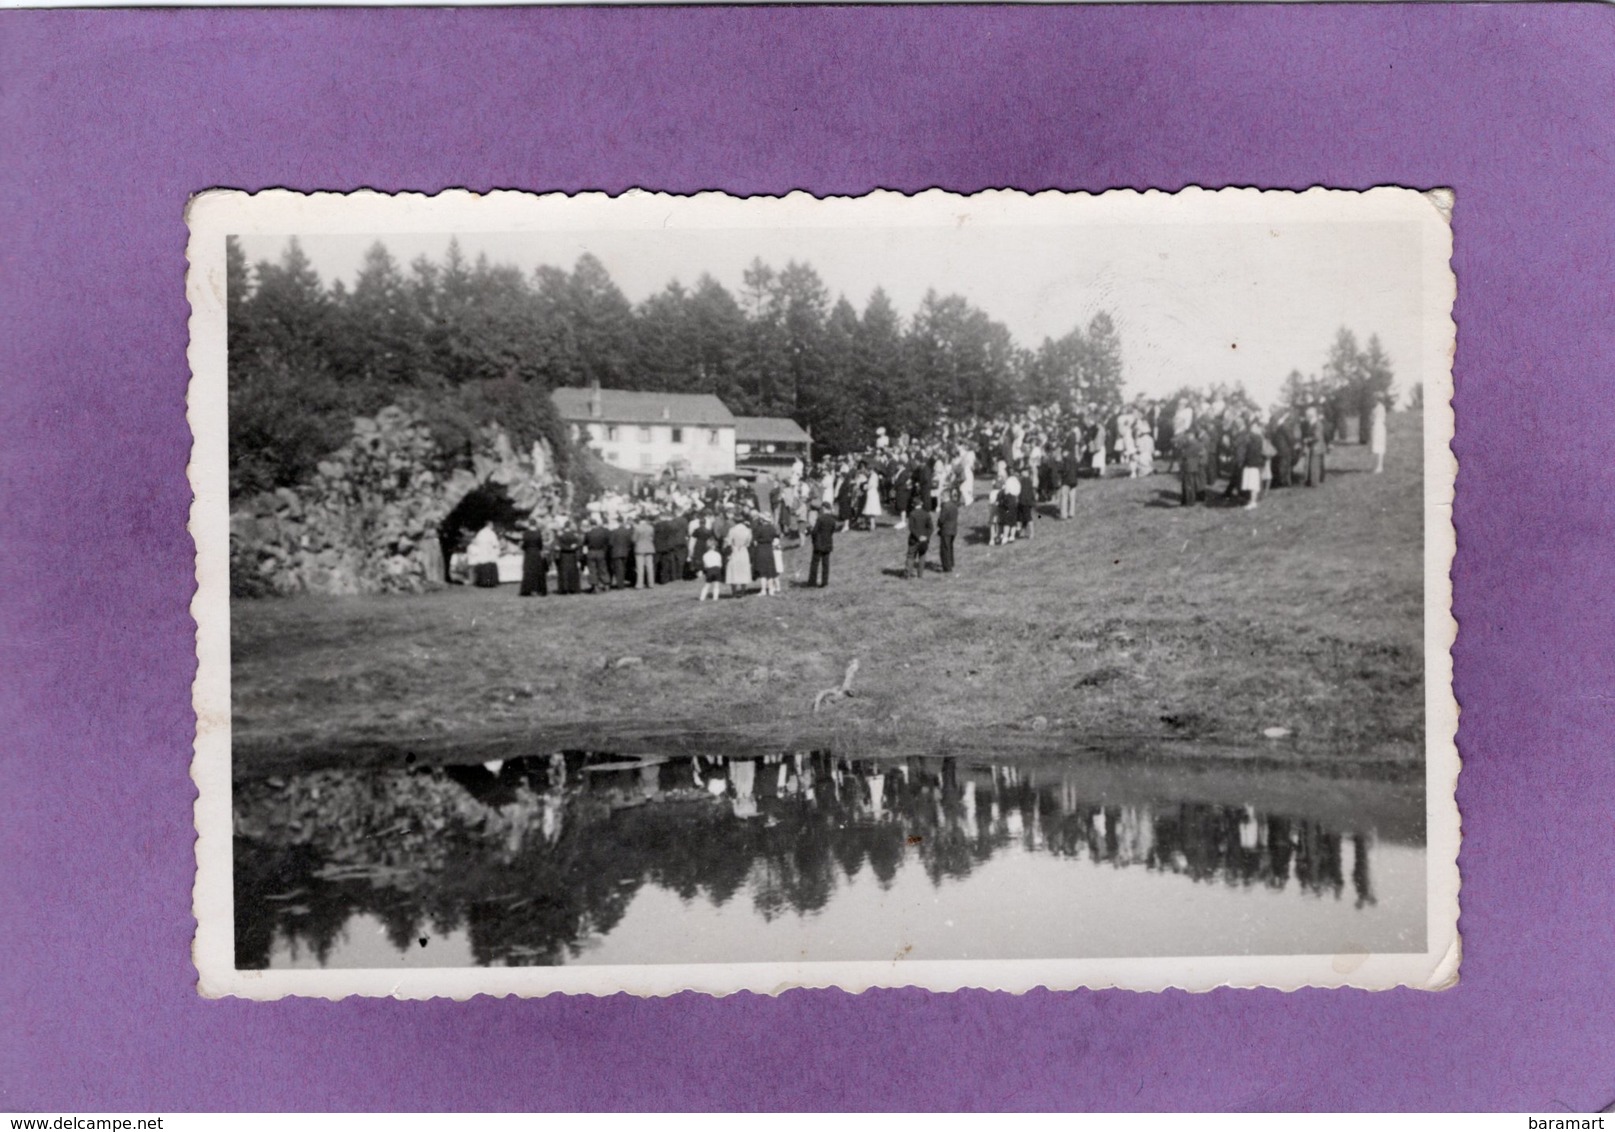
[[624, 406], [778, 430]]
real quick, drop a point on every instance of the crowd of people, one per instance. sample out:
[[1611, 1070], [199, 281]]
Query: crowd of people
[[732, 535]]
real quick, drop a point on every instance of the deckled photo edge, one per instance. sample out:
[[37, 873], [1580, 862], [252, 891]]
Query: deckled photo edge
[[213, 215], [1443, 763], [206, 404]]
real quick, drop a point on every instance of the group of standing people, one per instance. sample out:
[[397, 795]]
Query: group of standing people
[[731, 536], [1258, 453], [732, 548]]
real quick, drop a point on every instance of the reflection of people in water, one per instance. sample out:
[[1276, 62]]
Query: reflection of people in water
[[743, 781], [1359, 871], [563, 848]]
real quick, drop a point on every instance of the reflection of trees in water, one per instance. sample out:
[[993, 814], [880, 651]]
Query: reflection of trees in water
[[536, 857]]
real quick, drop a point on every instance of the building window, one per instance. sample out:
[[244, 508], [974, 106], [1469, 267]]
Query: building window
[[644, 434], [678, 436], [611, 456], [645, 460], [712, 437], [611, 432]]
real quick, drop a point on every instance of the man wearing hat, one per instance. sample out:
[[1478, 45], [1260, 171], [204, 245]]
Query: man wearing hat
[[681, 543], [822, 535], [947, 528], [666, 537], [597, 547], [619, 551], [644, 552]]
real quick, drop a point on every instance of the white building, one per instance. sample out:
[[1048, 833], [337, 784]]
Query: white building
[[648, 432]]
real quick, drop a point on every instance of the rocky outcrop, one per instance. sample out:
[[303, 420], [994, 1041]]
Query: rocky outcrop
[[367, 520]]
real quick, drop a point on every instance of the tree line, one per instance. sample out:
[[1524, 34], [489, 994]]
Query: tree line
[[1353, 378], [463, 343]]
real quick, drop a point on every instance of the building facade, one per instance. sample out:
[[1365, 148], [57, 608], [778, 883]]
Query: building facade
[[767, 442], [647, 433]]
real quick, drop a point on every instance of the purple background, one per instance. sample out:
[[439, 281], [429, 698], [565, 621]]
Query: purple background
[[108, 120]]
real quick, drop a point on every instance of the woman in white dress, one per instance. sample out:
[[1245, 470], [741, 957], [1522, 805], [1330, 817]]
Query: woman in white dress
[[737, 574], [829, 485], [1376, 435], [1143, 450], [967, 476], [1125, 452], [872, 498]]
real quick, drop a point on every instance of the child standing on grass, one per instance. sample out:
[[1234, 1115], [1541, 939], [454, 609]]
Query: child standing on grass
[[711, 573]]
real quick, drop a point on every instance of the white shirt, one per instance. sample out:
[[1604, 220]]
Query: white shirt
[[484, 548]]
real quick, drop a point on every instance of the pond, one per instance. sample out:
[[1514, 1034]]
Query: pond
[[580, 857]]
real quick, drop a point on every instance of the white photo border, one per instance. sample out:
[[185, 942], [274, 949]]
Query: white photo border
[[213, 215]]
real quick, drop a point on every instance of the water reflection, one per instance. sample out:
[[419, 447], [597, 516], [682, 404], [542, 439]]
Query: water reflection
[[541, 861]]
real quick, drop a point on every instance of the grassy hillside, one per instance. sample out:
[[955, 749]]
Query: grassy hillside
[[1138, 628]]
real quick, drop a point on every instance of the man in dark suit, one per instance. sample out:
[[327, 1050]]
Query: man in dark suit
[[534, 565], [920, 476], [1282, 437], [902, 493], [1191, 452], [920, 524], [681, 545], [822, 533], [567, 546], [947, 528], [597, 545], [666, 535], [1314, 445], [620, 551]]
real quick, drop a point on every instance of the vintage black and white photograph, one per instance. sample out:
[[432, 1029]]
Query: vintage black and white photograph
[[651, 593]]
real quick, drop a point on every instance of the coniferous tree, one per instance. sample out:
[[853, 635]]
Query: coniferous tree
[[602, 318], [719, 330], [764, 339], [666, 345], [1342, 374], [237, 292], [290, 309], [1102, 376], [380, 332], [839, 425], [467, 344], [881, 380], [1376, 379], [961, 358], [803, 303], [287, 407]]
